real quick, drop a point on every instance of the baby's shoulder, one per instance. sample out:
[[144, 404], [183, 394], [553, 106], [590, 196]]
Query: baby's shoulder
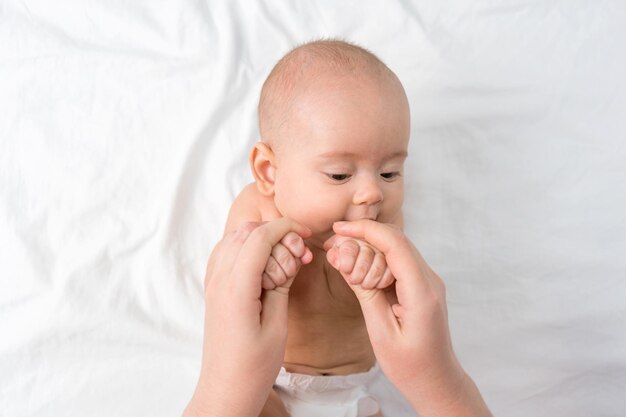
[[249, 196], [250, 206]]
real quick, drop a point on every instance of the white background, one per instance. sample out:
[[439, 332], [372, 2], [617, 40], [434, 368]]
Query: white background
[[124, 133]]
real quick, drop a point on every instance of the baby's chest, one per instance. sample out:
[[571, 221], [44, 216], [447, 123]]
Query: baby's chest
[[319, 289], [324, 314]]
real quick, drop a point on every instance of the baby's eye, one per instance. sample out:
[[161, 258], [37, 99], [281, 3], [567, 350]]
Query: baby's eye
[[338, 177], [389, 175]]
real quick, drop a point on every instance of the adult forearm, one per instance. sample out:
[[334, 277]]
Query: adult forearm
[[464, 401], [224, 403], [221, 409]]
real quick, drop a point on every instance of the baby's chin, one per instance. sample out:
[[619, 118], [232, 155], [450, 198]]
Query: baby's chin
[[317, 239]]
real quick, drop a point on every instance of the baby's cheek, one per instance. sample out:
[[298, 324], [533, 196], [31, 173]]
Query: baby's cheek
[[315, 209], [391, 211], [318, 221], [320, 218]]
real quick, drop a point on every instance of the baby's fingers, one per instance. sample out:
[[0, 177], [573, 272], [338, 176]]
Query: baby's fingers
[[281, 267], [376, 272], [273, 275], [386, 280], [348, 254], [289, 263], [267, 283], [363, 264], [296, 246]]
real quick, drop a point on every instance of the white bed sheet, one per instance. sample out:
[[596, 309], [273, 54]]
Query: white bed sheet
[[124, 132]]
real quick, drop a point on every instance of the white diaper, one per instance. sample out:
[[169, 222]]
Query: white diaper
[[333, 396]]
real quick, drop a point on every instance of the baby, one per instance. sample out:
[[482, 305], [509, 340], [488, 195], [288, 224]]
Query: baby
[[334, 124]]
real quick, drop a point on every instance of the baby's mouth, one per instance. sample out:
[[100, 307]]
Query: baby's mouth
[[362, 218]]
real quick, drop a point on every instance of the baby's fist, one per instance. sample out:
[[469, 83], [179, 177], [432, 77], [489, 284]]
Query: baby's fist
[[358, 262], [285, 261]]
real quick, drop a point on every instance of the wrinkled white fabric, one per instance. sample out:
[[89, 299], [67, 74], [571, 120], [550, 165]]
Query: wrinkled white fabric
[[125, 128]]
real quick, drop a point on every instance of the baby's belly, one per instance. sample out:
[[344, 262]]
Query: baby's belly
[[336, 350], [326, 334]]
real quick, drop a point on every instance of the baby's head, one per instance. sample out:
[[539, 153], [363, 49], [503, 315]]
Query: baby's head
[[334, 124]]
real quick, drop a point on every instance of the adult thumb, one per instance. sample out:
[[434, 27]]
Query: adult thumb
[[380, 320], [379, 317], [274, 305]]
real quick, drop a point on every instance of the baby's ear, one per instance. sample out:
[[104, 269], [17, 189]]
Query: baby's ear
[[262, 162]]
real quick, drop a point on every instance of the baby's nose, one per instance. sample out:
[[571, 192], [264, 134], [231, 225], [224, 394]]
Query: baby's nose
[[368, 192]]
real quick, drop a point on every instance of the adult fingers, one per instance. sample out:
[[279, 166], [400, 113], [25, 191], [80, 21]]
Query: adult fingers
[[225, 253], [380, 320], [384, 237]]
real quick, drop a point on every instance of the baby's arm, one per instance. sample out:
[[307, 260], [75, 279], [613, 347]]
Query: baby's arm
[[288, 255]]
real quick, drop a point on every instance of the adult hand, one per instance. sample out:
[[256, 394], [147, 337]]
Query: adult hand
[[409, 329], [245, 328]]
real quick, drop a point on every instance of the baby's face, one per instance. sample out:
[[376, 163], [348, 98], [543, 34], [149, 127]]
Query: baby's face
[[342, 154]]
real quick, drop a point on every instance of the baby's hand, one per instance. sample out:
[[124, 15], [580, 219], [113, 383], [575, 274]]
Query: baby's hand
[[358, 262], [285, 261]]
